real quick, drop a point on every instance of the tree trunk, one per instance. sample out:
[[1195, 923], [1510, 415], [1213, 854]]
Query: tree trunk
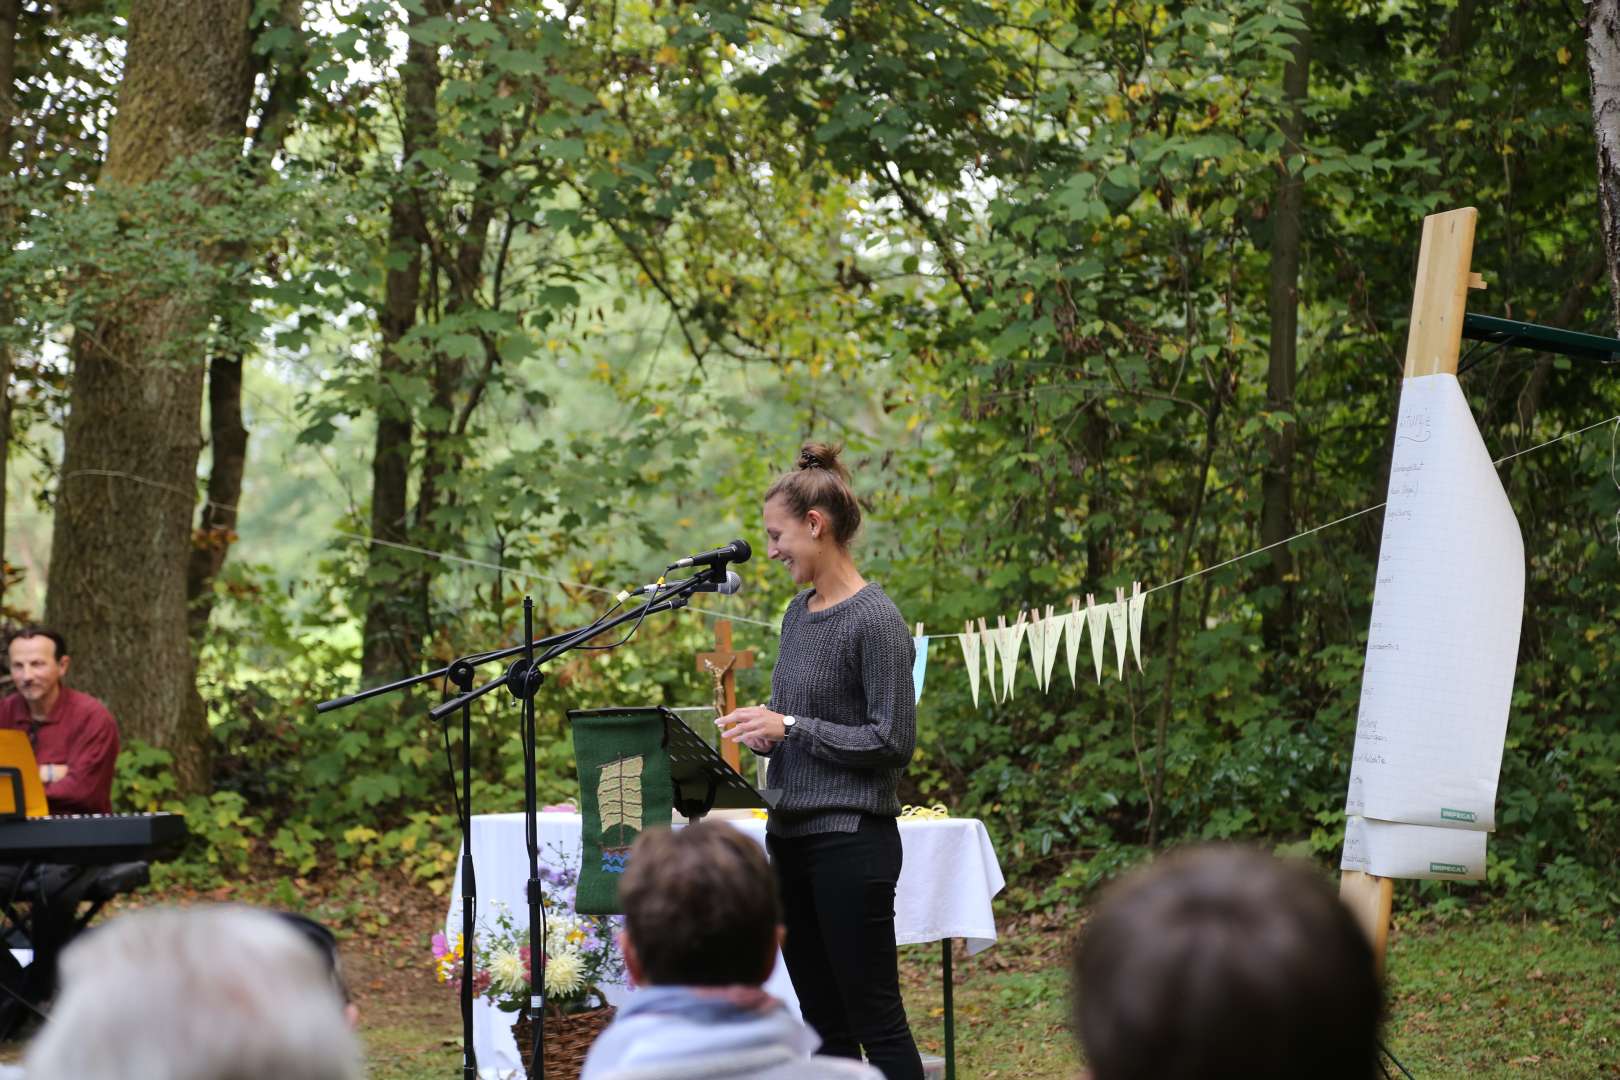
[[1528, 403], [228, 435], [217, 527], [1453, 50], [1282, 302], [1173, 626], [1603, 65], [392, 611], [449, 375], [10, 11], [122, 533]]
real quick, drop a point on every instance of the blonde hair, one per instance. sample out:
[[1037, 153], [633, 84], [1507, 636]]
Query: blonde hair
[[203, 993], [819, 481]]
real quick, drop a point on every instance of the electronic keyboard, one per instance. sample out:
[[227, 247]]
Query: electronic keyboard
[[92, 839]]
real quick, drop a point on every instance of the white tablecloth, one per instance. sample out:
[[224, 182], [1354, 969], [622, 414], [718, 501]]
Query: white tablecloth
[[949, 876]]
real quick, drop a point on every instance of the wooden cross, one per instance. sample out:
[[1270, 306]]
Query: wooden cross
[[722, 666]]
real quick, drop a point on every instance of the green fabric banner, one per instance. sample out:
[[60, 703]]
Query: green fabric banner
[[624, 787]]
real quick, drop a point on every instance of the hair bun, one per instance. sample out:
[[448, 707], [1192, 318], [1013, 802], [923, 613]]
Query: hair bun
[[819, 481], [819, 456]]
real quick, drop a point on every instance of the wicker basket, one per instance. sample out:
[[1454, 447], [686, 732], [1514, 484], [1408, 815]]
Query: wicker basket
[[568, 1040]]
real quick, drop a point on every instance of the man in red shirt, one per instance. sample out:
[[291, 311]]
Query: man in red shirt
[[74, 736]]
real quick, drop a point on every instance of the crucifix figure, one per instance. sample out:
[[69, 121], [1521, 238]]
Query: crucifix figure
[[722, 666]]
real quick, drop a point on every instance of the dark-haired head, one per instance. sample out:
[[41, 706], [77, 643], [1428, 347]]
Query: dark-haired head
[[810, 509], [38, 660], [1225, 961], [325, 942], [34, 630], [700, 908]]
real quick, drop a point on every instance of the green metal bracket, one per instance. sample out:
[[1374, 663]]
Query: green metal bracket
[[1511, 332]]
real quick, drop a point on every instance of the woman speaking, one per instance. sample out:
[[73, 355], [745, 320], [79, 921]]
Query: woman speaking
[[839, 730]]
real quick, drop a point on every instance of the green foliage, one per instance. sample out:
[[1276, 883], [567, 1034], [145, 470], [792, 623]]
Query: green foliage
[[222, 833], [1016, 258]]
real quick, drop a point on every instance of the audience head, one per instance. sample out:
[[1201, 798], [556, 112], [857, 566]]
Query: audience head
[[1224, 961], [700, 908], [205, 993]]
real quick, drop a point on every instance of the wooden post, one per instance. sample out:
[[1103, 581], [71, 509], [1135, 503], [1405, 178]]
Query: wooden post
[[722, 666], [1433, 342]]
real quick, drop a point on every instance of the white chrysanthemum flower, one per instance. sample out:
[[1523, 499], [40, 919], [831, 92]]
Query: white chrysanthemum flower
[[507, 973], [565, 973]]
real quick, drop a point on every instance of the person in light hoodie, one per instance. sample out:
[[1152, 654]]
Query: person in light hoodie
[[702, 925]]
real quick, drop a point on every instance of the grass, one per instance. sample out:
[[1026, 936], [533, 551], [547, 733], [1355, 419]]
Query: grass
[[1475, 998], [410, 1053], [1506, 999]]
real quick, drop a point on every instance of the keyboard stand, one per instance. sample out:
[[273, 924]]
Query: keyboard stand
[[53, 895]]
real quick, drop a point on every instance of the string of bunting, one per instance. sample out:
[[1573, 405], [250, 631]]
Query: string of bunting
[[1119, 622], [1048, 632]]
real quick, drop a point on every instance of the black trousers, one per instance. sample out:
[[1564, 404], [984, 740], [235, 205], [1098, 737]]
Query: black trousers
[[838, 906]]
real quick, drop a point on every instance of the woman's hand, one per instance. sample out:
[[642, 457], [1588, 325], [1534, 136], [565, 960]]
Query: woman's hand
[[755, 726]]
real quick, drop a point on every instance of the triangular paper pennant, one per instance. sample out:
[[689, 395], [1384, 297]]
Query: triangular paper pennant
[[993, 636], [1118, 617], [991, 645], [919, 665], [992, 648], [1076, 627], [1138, 601], [1011, 642], [1096, 623], [1054, 640], [1037, 647], [1017, 631], [970, 655]]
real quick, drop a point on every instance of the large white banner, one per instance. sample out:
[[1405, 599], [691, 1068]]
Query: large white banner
[[1441, 648]]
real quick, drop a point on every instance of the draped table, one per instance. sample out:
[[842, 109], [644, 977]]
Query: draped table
[[948, 878]]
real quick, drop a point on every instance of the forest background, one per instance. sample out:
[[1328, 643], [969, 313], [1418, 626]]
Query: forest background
[[296, 292]]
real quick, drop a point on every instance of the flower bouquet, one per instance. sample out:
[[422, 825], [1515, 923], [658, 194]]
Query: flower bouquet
[[581, 958]]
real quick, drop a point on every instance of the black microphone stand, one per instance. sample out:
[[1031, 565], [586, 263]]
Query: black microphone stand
[[459, 672], [522, 679]]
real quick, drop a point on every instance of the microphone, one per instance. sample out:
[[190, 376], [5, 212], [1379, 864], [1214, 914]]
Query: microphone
[[736, 551], [729, 587]]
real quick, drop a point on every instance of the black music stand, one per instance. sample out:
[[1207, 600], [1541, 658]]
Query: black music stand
[[700, 776]]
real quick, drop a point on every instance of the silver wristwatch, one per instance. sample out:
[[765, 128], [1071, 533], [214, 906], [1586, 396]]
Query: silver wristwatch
[[787, 725]]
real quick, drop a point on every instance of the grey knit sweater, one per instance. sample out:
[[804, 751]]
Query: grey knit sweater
[[844, 674]]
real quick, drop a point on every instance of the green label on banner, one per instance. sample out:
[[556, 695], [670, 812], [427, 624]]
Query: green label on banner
[[1448, 814], [1447, 868]]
